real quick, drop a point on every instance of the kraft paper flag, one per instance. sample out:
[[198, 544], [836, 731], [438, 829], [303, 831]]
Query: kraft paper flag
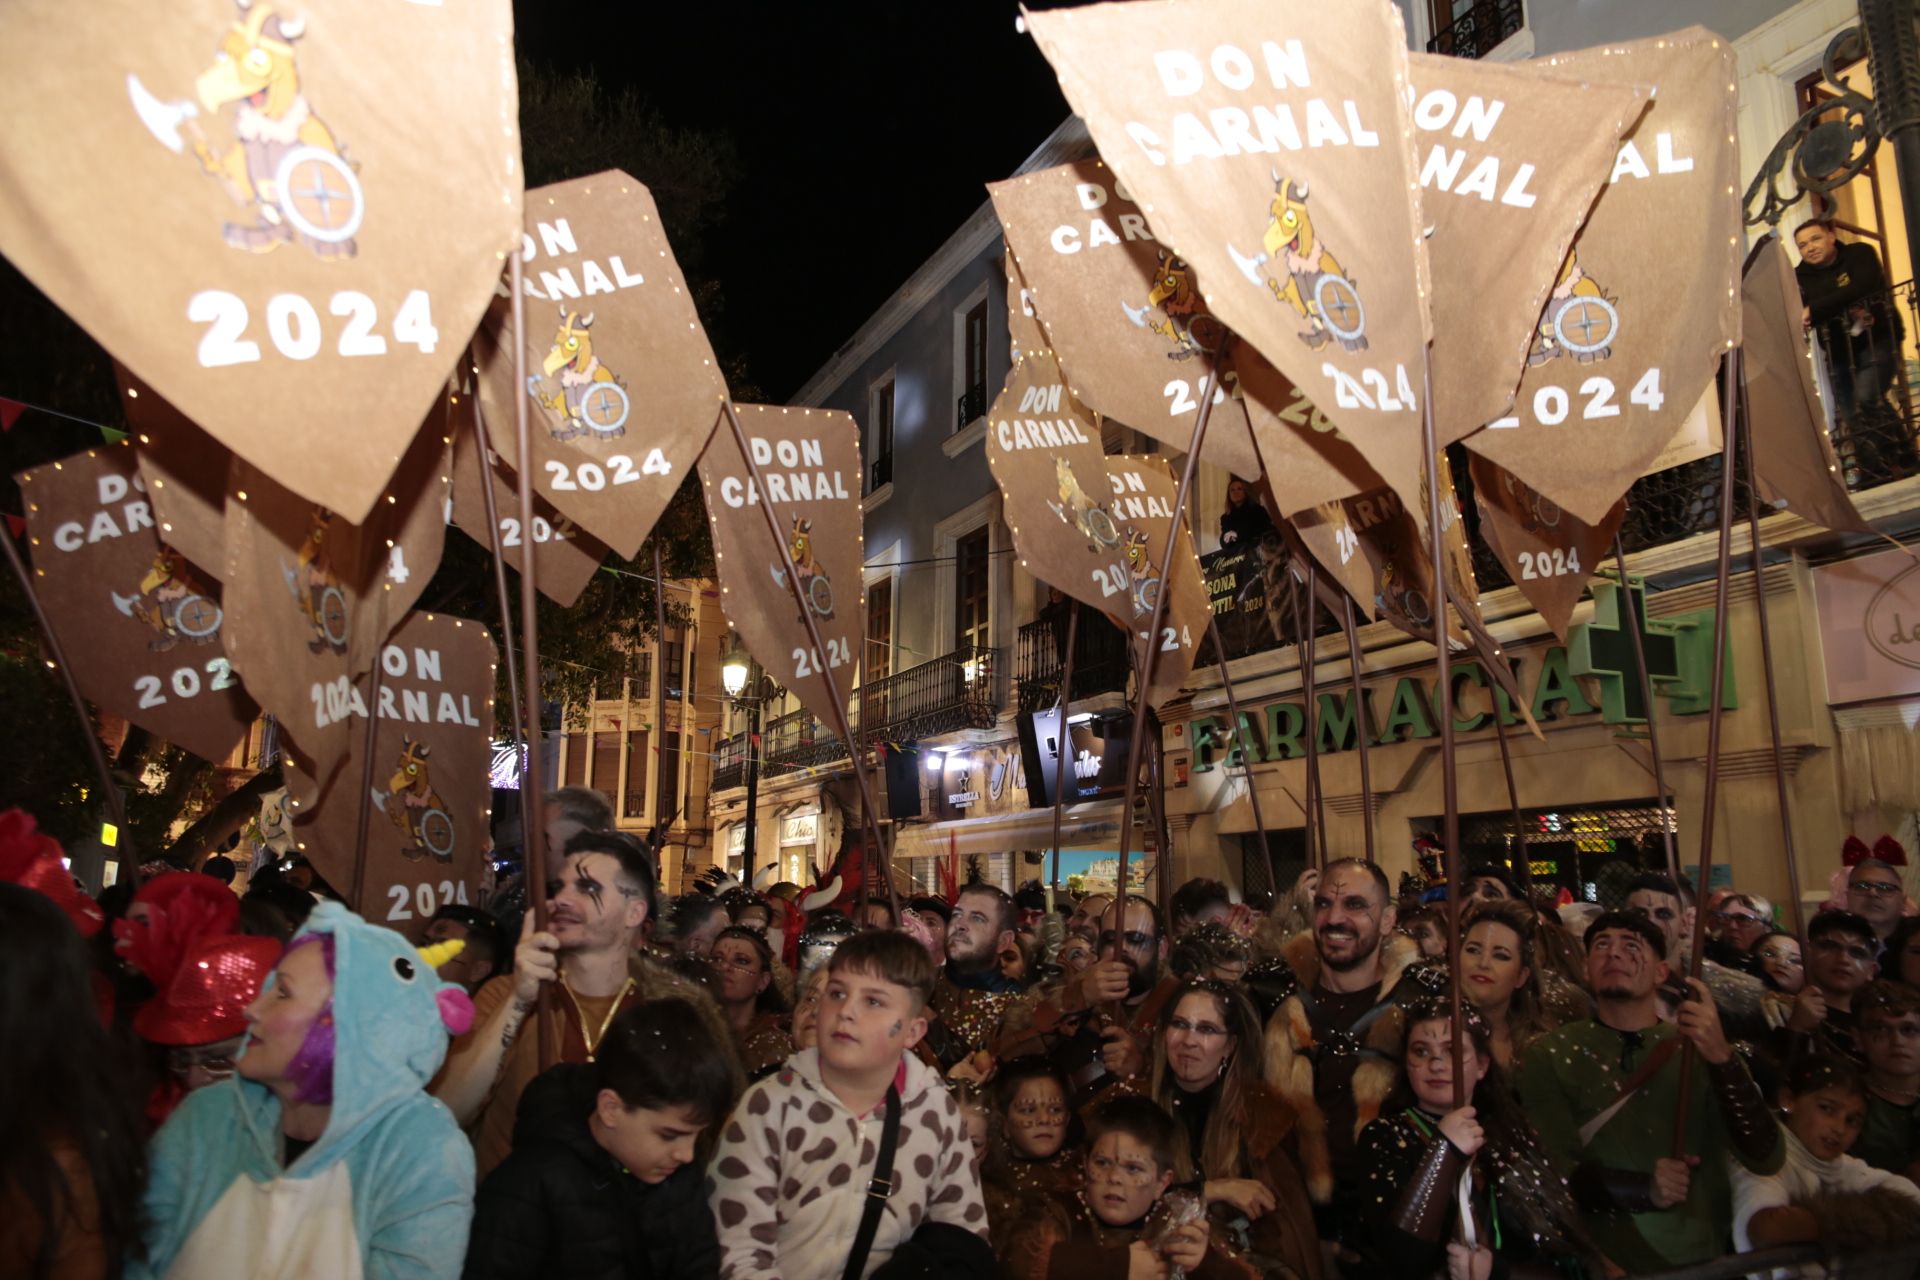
[[1794, 463], [565, 556], [1141, 505], [1507, 177], [144, 630], [428, 812], [1648, 300], [1273, 152], [185, 471], [809, 460], [1549, 553], [1024, 334], [621, 381], [285, 217], [1043, 448], [1129, 324], [312, 596]]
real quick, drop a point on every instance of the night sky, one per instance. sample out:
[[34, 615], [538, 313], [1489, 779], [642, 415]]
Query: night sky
[[865, 132]]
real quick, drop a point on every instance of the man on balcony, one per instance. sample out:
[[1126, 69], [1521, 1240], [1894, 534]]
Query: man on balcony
[[1852, 311]]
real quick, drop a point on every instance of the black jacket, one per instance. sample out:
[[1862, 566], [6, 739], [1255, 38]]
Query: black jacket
[[1848, 301], [561, 1206]]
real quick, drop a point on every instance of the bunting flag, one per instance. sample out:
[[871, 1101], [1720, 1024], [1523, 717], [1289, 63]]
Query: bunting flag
[[1794, 463], [809, 460], [1280, 167], [286, 208], [185, 472], [621, 382], [566, 556], [1141, 505], [1506, 184], [144, 631], [1043, 447], [313, 597], [1549, 553], [1621, 353], [428, 812]]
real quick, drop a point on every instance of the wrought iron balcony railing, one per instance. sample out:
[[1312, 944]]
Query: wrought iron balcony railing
[[1100, 659], [958, 690], [730, 763], [1478, 30], [970, 406], [880, 474]]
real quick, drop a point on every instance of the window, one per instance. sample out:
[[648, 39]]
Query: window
[[880, 455], [666, 800], [973, 369], [642, 686], [971, 626], [879, 631], [1473, 28], [636, 805], [576, 760], [606, 763], [673, 662]]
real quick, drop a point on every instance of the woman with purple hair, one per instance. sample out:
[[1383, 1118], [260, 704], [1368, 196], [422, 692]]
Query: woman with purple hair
[[322, 1155]]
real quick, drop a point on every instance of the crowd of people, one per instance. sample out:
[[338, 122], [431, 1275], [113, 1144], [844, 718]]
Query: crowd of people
[[807, 1085]]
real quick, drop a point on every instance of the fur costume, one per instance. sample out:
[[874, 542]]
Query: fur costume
[[1291, 1051]]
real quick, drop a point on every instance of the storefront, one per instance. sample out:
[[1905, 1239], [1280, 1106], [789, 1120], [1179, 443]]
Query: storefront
[[1585, 785], [798, 830]]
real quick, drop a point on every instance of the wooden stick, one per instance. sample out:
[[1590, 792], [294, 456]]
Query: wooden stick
[[1246, 765], [1730, 374], [1308, 703], [1773, 692], [838, 705], [1631, 619], [500, 585], [367, 762], [1312, 649], [1063, 751], [533, 797], [1359, 721], [116, 803], [1152, 651]]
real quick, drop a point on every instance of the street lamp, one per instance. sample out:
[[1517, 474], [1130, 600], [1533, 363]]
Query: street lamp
[[735, 673]]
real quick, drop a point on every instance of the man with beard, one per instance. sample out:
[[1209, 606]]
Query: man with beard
[[1333, 1046], [1098, 1026], [1603, 1094], [1087, 914], [971, 994], [585, 964]]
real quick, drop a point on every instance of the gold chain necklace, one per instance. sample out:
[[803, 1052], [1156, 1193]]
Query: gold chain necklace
[[593, 1042]]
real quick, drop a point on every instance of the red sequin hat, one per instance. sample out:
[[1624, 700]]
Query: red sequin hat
[[208, 997], [31, 858]]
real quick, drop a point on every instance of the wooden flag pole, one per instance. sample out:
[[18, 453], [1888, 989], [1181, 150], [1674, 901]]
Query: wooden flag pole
[[368, 746], [1730, 373], [1310, 729], [663, 821], [1310, 663], [1246, 765], [1152, 651], [518, 706], [1631, 619], [1359, 721], [1062, 749], [116, 803], [1773, 692], [1523, 868], [533, 797], [1449, 777], [838, 705]]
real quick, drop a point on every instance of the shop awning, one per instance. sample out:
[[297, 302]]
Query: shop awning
[[1093, 827]]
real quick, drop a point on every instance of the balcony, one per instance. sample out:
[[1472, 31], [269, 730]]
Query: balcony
[[730, 763], [1100, 659], [880, 474], [958, 690], [1480, 29], [970, 406]]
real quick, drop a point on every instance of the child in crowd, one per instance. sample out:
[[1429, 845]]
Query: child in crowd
[[1031, 1151], [1888, 1016], [1822, 1192], [604, 1179], [1122, 1222], [797, 1158]]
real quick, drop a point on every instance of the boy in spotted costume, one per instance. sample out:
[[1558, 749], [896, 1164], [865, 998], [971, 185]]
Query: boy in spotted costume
[[792, 1174]]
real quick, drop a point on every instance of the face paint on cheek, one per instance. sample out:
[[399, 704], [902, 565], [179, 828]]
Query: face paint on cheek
[[897, 1028]]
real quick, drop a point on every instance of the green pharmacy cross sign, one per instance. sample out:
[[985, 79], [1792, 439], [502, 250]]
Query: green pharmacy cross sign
[[1679, 655]]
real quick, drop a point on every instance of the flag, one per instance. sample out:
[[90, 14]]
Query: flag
[[1549, 553], [566, 556]]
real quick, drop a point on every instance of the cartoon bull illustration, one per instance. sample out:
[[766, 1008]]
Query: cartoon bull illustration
[[172, 605], [814, 583], [1301, 272], [1075, 508], [592, 398], [1183, 316], [1144, 573], [1580, 319], [285, 167], [413, 806], [314, 588]]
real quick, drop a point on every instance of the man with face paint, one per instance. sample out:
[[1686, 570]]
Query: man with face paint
[[585, 963]]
